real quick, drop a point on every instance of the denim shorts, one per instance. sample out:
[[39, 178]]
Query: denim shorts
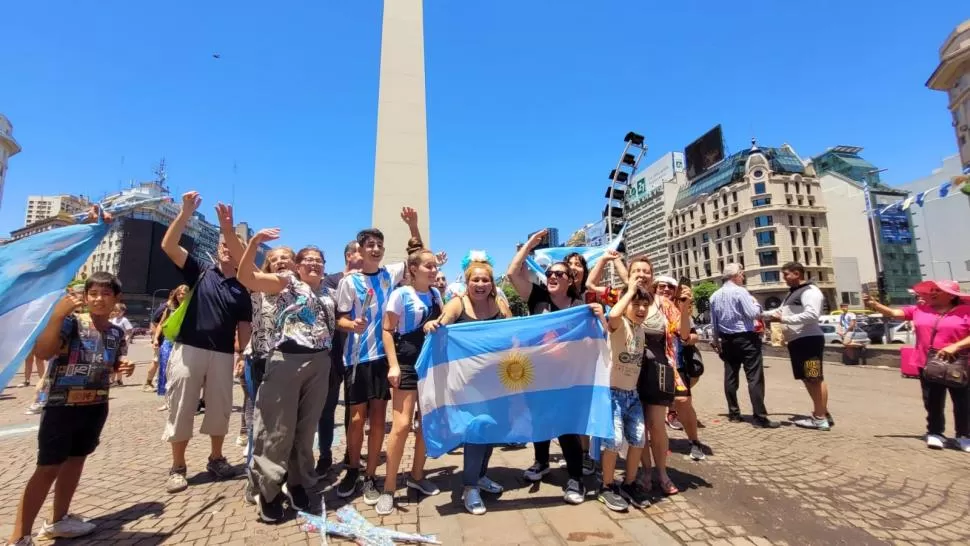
[[628, 421]]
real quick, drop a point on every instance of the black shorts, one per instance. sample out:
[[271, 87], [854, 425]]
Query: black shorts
[[69, 431], [408, 347], [656, 384], [806, 357], [370, 383]]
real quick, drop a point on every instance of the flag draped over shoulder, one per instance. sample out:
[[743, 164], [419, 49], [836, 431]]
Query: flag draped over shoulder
[[515, 381], [34, 273]]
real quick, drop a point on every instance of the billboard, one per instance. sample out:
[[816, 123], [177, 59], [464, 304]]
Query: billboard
[[704, 153], [648, 181], [596, 233]]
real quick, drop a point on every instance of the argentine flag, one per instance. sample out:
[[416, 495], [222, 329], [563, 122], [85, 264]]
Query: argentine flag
[[34, 274], [515, 381], [544, 257]]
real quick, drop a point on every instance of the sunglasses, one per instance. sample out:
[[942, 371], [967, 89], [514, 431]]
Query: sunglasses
[[664, 286], [557, 274]]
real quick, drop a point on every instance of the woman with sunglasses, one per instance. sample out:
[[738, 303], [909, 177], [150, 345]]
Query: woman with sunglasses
[[558, 293], [480, 302], [294, 389], [683, 416]]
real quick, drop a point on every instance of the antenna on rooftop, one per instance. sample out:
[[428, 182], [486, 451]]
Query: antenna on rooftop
[[161, 175]]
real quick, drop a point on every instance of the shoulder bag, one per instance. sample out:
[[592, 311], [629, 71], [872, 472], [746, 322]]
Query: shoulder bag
[[173, 324], [954, 374]]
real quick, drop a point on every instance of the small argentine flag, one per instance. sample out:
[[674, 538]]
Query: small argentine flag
[[515, 381], [34, 274], [544, 257]]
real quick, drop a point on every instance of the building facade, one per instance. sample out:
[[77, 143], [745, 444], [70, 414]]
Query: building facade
[[41, 207], [8, 148], [649, 198], [953, 76], [842, 173], [551, 239], [41, 226], [941, 255], [761, 209]]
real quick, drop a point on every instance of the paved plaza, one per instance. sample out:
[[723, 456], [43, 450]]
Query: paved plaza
[[870, 480]]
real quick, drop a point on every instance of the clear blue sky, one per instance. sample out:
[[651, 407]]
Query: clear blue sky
[[527, 101]]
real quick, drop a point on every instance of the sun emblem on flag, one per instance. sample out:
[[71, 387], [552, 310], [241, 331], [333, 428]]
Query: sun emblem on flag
[[515, 371]]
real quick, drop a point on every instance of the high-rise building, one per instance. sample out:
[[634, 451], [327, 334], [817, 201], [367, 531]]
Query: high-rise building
[[953, 76], [844, 176], [8, 149], [941, 255], [759, 208], [41, 207], [648, 200], [401, 162]]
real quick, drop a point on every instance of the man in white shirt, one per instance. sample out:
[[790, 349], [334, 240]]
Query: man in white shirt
[[798, 316], [847, 324]]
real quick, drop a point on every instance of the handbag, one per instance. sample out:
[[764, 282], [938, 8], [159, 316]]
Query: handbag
[[691, 361], [173, 324], [954, 374]]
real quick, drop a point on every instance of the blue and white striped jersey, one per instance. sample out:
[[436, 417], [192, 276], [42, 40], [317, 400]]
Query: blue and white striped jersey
[[351, 294], [411, 307]]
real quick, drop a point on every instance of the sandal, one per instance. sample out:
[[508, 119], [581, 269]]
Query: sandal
[[666, 487]]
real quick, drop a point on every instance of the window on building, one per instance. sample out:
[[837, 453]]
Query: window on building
[[818, 257], [707, 253], [815, 238], [734, 209], [788, 200], [691, 214], [717, 233], [786, 187], [741, 260], [729, 246], [801, 220], [791, 220], [767, 258], [801, 200], [804, 238], [808, 275], [724, 199], [811, 201], [707, 269], [697, 272], [808, 189], [821, 276], [727, 230], [794, 237], [770, 276], [808, 256], [762, 202], [759, 188], [764, 220], [720, 265], [812, 220], [795, 254], [720, 250], [704, 238], [765, 238], [739, 244], [734, 196], [693, 242], [702, 209]]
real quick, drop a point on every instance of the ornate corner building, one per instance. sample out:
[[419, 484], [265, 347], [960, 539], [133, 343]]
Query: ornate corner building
[[759, 208]]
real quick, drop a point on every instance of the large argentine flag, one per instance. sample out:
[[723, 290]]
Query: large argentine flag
[[34, 273], [544, 257], [515, 381]]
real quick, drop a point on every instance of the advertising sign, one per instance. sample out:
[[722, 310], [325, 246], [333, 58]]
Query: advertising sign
[[648, 181], [596, 233]]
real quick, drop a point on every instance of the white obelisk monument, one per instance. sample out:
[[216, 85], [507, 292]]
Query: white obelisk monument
[[401, 164]]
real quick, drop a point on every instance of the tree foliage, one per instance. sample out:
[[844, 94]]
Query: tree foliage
[[702, 296], [519, 307]]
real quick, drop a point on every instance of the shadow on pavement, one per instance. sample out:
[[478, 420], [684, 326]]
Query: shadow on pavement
[[109, 525]]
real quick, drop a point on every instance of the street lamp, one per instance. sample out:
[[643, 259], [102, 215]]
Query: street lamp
[[948, 266], [880, 274]]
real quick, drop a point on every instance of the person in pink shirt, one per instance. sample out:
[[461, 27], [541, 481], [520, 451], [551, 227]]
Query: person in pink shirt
[[942, 324]]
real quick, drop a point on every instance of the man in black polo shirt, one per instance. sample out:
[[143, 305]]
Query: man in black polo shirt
[[352, 262], [202, 354]]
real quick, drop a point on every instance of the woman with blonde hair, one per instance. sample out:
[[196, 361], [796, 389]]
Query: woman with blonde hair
[[164, 346], [480, 302]]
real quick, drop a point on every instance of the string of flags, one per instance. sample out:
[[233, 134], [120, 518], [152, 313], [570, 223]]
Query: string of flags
[[944, 190]]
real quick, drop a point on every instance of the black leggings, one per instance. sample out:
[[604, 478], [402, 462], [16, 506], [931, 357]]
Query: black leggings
[[572, 451], [934, 400]]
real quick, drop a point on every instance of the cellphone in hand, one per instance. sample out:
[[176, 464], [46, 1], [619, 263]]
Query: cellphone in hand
[[684, 281]]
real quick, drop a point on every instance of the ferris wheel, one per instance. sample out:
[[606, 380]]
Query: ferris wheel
[[634, 150]]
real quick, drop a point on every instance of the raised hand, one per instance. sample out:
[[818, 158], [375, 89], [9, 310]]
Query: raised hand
[[68, 304], [191, 201], [224, 214], [267, 234], [536, 239], [441, 258], [611, 255], [410, 216]]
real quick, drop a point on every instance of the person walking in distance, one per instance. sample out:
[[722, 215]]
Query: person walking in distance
[[202, 353], [847, 324], [798, 316], [733, 314]]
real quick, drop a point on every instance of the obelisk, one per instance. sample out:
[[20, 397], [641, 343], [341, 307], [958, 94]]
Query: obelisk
[[401, 163]]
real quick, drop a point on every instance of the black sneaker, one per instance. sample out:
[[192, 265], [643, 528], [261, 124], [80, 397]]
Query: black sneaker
[[734, 417], [764, 422], [297, 497], [535, 472], [270, 511], [371, 494], [348, 485], [610, 496], [635, 494], [323, 466]]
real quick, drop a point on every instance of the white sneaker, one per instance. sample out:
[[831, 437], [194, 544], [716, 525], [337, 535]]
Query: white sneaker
[[34, 409], [964, 444], [935, 441], [70, 526]]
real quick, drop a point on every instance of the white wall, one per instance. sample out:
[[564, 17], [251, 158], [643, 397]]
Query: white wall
[[848, 225]]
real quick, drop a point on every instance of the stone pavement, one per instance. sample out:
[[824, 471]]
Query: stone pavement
[[870, 480]]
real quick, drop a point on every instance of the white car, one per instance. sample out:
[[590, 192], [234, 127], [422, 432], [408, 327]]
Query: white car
[[859, 337]]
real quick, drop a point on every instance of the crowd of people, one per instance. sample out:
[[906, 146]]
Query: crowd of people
[[296, 334]]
